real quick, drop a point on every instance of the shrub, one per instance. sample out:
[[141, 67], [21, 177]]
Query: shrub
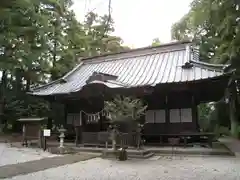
[[221, 130]]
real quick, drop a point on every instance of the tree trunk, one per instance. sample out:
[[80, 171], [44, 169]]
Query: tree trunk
[[2, 97], [233, 111], [18, 81], [28, 84]]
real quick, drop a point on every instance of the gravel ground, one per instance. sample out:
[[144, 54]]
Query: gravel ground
[[165, 168], [11, 155]]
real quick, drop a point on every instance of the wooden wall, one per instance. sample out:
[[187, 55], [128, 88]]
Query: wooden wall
[[168, 102], [92, 105], [156, 101]]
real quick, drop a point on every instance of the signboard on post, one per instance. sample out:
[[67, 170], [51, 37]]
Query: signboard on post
[[46, 132]]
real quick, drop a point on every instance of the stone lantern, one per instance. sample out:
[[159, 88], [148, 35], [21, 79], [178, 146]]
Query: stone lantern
[[62, 136]]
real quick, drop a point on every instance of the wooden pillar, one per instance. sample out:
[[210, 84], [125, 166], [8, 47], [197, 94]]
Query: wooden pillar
[[65, 113], [78, 129], [50, 118], [40, 137], [167, 111], [195, 112]]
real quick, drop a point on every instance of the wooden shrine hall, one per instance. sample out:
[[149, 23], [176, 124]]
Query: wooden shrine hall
[[169, 78]]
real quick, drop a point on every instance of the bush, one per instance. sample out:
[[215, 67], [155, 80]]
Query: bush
[[221, 130]]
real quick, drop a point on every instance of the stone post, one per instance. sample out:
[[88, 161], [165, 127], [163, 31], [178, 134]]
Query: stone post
[[24, 138]]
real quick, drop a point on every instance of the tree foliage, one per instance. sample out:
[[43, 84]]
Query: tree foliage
[[215, 26], [40, 40]]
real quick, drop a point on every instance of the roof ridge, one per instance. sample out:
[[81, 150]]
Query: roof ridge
[[112, 58], [140, 49]]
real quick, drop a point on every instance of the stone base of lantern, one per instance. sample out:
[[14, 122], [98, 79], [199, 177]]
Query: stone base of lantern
[[109, 153], [131, 153], [64, 150]]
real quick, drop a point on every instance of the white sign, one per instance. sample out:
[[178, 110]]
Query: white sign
[[46, 132]]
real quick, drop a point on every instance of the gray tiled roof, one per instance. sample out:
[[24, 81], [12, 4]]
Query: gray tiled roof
[[140, 67]]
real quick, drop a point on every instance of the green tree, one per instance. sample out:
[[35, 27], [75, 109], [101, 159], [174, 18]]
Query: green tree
[[98, 30], [156, 42], [123, 109], [40, 40]]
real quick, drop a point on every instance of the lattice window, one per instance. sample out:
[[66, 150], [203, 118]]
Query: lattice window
[[175, 116], [180, 115], [149, 116], [160, 116], [186, 115], [155, 116]]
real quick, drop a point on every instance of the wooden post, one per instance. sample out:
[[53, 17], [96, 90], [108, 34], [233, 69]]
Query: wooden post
[[40, 136], [167, 114], [195, 112], [44, 143]]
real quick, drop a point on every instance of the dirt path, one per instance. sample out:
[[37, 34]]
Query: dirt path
[[42, 164]]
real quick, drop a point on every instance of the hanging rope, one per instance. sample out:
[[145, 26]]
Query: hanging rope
[[93, 117], [76, 119], [92, 113]]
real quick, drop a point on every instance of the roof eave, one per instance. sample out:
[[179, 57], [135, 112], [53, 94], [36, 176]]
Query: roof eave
[[62, 79], [218, 67]]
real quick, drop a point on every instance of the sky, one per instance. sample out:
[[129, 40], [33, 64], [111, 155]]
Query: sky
[[138, 22]]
